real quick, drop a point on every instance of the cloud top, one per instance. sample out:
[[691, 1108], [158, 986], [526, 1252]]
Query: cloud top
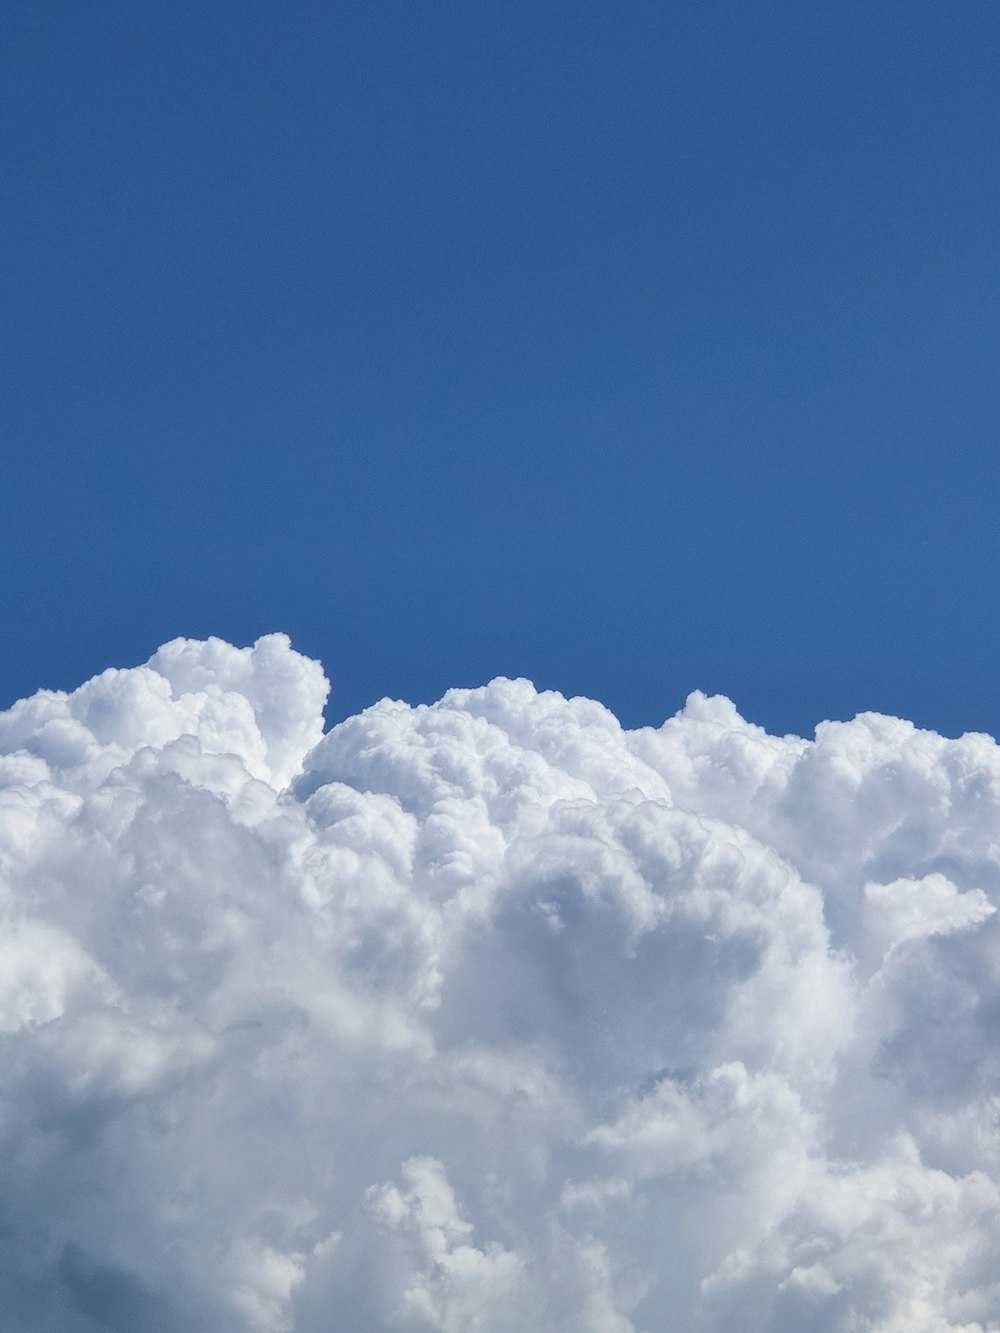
[[490, 1015]]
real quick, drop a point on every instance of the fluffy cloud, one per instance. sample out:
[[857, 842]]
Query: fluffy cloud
[[490, 1015]]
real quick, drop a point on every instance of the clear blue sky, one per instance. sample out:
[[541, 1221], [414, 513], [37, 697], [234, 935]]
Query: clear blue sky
[[634, 348]]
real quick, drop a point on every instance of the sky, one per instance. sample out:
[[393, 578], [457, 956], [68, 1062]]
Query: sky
[[489, 1016], [633, 349], [498, 804]]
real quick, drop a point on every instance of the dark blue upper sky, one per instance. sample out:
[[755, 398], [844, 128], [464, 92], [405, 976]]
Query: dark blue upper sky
[[633, 348]]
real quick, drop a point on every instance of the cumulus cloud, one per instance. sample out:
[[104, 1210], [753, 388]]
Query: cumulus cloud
[[490, 1015]]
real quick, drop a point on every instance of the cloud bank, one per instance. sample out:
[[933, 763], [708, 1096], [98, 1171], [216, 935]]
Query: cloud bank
[[490, 1016]]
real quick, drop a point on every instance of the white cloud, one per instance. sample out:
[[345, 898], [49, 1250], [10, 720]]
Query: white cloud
[[914, 909], [490, 1015]]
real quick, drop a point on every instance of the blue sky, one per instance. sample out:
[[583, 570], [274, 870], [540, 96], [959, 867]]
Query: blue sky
[[634, 349]]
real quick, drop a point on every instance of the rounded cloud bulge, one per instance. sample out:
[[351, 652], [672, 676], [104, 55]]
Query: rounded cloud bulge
[[489, 1015]]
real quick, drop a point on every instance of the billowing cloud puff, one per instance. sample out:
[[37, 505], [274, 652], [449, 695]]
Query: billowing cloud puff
[[490, 1016]]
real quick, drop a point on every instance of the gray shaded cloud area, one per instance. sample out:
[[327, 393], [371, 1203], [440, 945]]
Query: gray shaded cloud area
[[490, 1016]]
